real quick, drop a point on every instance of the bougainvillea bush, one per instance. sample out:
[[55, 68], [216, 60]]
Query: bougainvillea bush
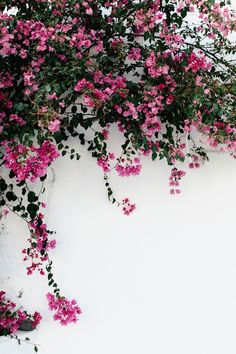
[[160, 71]]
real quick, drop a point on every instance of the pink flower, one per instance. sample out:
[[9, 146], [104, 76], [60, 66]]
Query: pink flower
[[229, 129], [10, 318], [30, 162], [88, 101], [4, 213], [197, 63], [65, 311], [99, 46], [52, 244], [17, 119], [174, 179], [128, 208], [104, 162], [89, 11], [39, 245], [134, 54], [131, 110], [198, 81], [105, 133], [37, 319], [54, 125], [169, 99], [80, 85], [52, 96], [128, 167]]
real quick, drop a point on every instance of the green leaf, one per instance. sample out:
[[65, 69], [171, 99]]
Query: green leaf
[[48, 88], [11, 196], [154, 155], [233, 89], [16, 208], [20, 184], [3, 185], [32, 210], [43, 177], [74, 109], [11, 174], [32, 197], [74, 122], [2, 202]]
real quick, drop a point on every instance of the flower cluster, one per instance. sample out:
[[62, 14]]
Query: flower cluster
[[174, 179], [105, 162], [29, 162], [128, 167], [12, 318], [127, 208], [66, 311], [39, 245]]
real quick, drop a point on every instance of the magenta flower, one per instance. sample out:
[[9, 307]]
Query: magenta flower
[[65, 311], [54, 125]]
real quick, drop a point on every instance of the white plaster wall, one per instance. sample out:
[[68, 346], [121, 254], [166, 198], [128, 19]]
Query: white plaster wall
[[162, 281]]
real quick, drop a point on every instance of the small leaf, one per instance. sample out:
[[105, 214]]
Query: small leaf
[[154, 155], [73, 109], [3, 185], [32, 197], [11, 196], [32, 209]]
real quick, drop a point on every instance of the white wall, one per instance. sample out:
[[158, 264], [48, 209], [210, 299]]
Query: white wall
[[162, 281]]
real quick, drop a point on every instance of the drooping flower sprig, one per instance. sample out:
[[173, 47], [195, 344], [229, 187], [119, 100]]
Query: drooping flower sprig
[[160, 71]]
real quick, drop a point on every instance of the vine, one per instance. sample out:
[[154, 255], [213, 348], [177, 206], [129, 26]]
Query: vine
[[74, 69]]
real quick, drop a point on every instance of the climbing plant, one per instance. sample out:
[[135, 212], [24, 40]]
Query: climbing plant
[[159, 71]]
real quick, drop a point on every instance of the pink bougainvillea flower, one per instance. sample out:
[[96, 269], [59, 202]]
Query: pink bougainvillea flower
[[127, 208], [54, 125], [66, 311]]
